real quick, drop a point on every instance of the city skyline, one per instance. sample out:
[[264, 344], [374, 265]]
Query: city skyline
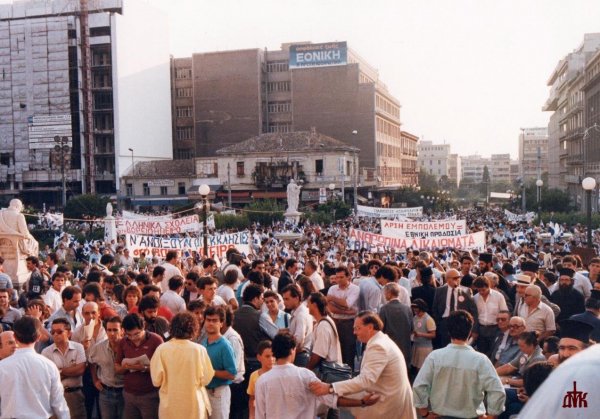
[[459, 68]]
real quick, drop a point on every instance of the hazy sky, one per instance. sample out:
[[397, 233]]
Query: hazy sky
[[468, 72]]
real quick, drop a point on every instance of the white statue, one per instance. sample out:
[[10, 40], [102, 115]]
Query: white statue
[[293, 197], [13, 223], [109, 210]]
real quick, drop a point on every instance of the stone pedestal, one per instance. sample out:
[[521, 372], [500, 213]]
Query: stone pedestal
[[292, 217], [14, 261], [110, 229]]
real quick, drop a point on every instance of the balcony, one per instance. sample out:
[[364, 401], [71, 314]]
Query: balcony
[[575, 159]]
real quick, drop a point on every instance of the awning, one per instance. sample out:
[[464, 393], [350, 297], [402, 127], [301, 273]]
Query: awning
[[267, 195], [361, 199]]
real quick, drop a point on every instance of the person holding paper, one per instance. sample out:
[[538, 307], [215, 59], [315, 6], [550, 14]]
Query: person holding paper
[[133, 361]]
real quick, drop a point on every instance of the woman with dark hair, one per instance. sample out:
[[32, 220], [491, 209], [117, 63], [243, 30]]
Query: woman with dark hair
[[306, 285], [131, 297], [182, 369], [426, 291], [530, 354]]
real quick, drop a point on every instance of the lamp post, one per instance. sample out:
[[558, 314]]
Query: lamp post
[[132, 164], [589, 184], [539, 183], [355, 172], [204, 190]]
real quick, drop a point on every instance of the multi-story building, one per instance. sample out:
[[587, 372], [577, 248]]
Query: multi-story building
[[74, 95], [500, 168], [224, 98], [533, 153], [410, 144], [566, 150], [436, 160], [472, 168]]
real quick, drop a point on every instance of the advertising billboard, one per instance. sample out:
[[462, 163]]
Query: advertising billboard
[[318, 55]]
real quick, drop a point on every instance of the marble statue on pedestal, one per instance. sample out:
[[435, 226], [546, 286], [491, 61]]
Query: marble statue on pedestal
[[16, 243], [293, 198]]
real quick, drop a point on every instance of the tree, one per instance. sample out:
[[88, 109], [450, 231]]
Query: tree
[[84, 206], [485, 181], [265, 211], [427, 181]]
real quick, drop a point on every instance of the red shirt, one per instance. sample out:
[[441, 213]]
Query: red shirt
[[106, 312], [138, 382], [162, 311]]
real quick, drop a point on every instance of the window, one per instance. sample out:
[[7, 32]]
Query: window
[[280, 127], [240, 169], [181, 188], [319, 166], [184, 92], [278, 107], [184, 112], [103, 100], [101, 31], [129, 189], [278, 86], [164, 190], [184, 133], [183, 73], [146, 189], [277, 66]]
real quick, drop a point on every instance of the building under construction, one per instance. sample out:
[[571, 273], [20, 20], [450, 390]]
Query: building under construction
[[84, 94]]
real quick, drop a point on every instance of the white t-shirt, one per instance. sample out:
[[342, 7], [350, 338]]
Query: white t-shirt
[[350, 294], [170, 271], [317, 281], [226, 293], [325, 341]]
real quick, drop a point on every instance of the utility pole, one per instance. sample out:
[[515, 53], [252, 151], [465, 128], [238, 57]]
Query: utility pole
[[229, 184], [355, 173]]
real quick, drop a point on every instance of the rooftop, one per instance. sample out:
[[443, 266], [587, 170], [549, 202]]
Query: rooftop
[[298, 141], [164, 168]]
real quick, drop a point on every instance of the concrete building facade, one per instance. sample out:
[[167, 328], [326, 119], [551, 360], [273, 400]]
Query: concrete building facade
[[500, 168], [437, 160], [472, 168], [74, 96], [567, 125], [224, 98], [533, 153]]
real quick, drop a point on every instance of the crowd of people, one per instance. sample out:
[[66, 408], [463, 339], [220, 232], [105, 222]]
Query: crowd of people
[[313, 327]]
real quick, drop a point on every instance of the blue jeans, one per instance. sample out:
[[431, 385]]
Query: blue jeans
[[111, 403]]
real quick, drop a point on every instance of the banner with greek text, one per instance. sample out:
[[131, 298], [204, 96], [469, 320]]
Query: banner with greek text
[[358, 239], [423, 230], [389, 213], [217, 244], [529, 217], [135, 216], [149, 226]]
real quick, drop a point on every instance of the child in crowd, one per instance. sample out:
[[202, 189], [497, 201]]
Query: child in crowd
[[264, 354]]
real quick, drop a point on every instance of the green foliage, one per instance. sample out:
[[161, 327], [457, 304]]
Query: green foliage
[[230, 221], [86, 205], [553, 200], [265, 211], [427, 181], [318, 217], [341, 209], [570, 218], [44, 237]]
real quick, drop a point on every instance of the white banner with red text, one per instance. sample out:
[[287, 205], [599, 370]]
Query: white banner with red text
[[217, 244], [359, 239], [391, 213], [423, 229]]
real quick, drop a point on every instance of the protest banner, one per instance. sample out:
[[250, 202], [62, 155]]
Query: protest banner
[[358, 239], [511, 216], [135, 216], [375, 212], [150, 226], [217, 244], [423, 229]]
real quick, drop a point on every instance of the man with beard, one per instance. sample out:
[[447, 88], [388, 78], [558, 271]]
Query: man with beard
[[566, 297], [485, 263], [154, 323]]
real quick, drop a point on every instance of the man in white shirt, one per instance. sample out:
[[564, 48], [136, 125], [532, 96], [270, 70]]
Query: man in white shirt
[[310, 270], [342, 302], [172, 298], [301, 323], [31, 383], [326, 345], [171, 269], [52, 298], [283, 392], [489, 303]]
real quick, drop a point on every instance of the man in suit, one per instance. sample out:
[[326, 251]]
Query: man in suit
[[506, 346], [590, 316], [397, 319], [383, 372], [448, 298], [287, 275]]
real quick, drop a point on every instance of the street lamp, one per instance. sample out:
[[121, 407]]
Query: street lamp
[[355, 172], [589, 184], [132, 165], [204, 190], [539, 183]]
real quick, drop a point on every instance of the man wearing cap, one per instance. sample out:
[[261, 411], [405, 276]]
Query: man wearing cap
[[591, 315], [530, 268], [580, 282], [566, 297], [486, 263], [574, 338], [521, 284]]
